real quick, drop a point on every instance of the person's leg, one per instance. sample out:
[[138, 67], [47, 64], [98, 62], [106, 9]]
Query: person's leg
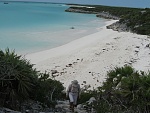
[[75, 97], [71, 97], [72, 107], [74, 102], [71, 101]]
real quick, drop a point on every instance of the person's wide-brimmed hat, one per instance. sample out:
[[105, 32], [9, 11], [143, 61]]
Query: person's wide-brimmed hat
[[75, 82]]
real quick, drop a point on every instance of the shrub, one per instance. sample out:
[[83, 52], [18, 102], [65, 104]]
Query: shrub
[[48, 90], [16, 79], [20, 82], [125, 90]]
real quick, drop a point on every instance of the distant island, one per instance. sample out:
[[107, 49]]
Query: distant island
[[135, 20]]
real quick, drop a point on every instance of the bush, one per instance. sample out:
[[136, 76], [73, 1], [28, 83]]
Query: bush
[[85, 96], [16, 79], [125, 90], [20, 82], [48, 90]]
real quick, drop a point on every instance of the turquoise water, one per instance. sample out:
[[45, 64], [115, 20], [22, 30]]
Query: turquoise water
[[29, 27]]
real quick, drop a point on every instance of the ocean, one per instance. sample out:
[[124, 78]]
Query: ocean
[[30, 27]]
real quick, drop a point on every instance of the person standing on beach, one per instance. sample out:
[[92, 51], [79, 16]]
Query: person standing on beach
[[73, 92]]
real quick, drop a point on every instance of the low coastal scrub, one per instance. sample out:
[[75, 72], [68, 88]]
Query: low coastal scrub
[[20, 82], [137, 20], [124, 91]]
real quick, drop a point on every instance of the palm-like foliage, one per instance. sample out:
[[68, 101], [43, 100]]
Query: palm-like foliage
[[115, 76], [20, 82], [135, 90], [16, 78], [125, 90]]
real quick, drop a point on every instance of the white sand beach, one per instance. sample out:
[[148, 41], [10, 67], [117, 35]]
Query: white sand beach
[[89, 58]]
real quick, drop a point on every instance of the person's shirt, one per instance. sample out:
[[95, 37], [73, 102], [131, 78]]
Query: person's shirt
[[74, 88]]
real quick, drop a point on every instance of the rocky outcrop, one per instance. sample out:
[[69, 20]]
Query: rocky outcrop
[[121, 27], [117, 26], [80, 11], [103, 14], [107, 15], [62, 106], [6, 110]]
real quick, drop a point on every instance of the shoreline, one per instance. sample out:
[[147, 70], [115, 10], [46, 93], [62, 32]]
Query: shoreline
[[44, 31], [57, 38], [54, 50], [89, 58]]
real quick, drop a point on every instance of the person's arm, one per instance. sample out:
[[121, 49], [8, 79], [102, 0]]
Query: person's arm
[[68, 90]]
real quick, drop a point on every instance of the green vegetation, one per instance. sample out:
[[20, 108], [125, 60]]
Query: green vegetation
[[136, 19], [117, 11], [48, 90], [20, 82], [124, 91]]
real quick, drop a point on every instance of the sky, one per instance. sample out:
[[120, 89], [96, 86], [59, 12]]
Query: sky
[[122, 3]]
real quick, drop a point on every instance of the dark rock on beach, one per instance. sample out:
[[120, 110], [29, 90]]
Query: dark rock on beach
[[120, 27]]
